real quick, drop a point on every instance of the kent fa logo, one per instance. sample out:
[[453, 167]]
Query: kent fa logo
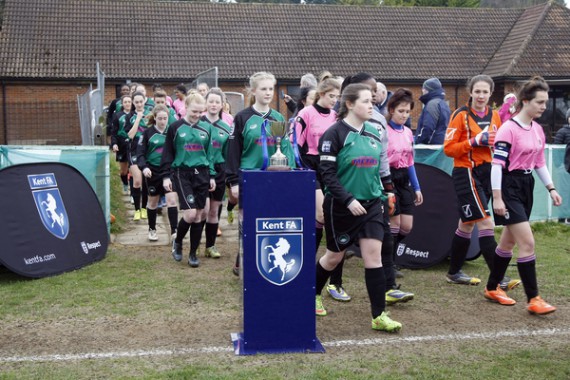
[[49, 204], [279, 258]]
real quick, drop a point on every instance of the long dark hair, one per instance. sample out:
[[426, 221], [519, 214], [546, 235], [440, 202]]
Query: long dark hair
[[356, 78], [529, 89], [350, 94], [401, 95]]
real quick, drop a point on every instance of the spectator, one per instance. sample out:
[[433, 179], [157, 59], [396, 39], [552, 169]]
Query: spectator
[[382, 97], [563, 134], [563, 137], [308, 82], [435, 115]]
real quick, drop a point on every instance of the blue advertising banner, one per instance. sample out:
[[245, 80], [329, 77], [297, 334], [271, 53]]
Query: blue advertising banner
[[51, 220], [279, 259]]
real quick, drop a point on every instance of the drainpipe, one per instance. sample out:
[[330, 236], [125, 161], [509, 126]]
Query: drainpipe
[[456, 97], [4, 113]]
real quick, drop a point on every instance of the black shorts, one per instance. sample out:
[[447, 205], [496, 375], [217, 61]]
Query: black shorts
[[154, 183], [312, 162], [343, 229], [473, 191], [218, 194], [192, 186], [122, 154], [131, 157], [403, 191], [517, 191]]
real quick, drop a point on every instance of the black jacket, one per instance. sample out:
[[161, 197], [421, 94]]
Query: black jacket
[[563, 135]]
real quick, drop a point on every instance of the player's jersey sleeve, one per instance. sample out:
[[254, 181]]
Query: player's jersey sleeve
[[115, 129], [235, 149], [142, 146], [329, 147], [168, 153], [456, 144]]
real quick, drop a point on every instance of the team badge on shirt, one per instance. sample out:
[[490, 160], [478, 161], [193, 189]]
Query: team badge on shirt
[[343, 239], [326, 146], [450, 133]]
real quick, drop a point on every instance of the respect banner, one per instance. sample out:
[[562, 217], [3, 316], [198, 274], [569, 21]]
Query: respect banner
[[51, 220]]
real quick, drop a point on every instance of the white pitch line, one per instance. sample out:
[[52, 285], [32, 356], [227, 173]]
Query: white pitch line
[[338, 343], [449, 337]]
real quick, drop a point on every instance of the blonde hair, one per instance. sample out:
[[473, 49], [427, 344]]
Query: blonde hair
[[254, 82], [194, 97], [328, 84], [325, 75], [258, 77]]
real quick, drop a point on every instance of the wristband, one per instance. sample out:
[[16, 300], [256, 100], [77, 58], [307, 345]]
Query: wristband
[[551, 190]]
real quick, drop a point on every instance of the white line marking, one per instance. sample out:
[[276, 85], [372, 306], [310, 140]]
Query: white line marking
[[338, 343]]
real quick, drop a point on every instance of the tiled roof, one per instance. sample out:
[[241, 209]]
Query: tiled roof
[[147, 39], [535, 45]]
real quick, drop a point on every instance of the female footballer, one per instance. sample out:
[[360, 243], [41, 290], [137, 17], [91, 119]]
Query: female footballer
[[244, 150], [120, 139], [519, 150], [187, 168], [469, 138], [311, 123], [220, 132], [401, 158], [149, 156], [350, 166], [137, 124]]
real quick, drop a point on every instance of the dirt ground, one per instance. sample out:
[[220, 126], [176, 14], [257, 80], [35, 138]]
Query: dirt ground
[[439, 309]]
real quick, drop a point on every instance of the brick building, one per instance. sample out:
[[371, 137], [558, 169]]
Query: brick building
[[49, 49]]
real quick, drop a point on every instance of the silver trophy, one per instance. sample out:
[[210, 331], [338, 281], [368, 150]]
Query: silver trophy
[[278, 161]]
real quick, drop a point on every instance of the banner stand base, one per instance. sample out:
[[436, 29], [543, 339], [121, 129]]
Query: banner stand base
[[240, 349]]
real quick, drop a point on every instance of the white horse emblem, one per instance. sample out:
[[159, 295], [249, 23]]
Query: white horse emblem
[[281, 249], [50, 205]]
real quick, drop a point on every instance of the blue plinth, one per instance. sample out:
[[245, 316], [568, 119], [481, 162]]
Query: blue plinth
[[278, 263]]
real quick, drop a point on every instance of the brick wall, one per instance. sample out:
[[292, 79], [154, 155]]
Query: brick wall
[[47, 113], [40, 114]]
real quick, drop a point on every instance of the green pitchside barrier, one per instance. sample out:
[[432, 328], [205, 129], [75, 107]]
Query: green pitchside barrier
[[543, 210]]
